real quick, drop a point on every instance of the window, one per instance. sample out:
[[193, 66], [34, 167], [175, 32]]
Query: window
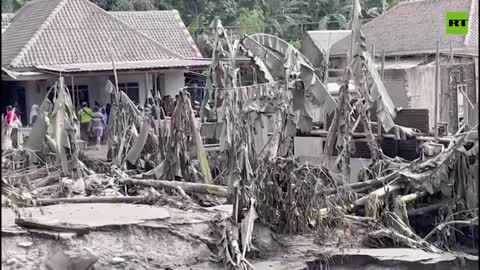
[[80, 92], [132, 91]]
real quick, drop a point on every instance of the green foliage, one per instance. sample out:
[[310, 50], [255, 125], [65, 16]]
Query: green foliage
[[123, 5], [251, 22], [288, 19], [9, 6]]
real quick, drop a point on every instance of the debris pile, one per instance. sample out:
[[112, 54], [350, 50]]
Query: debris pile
[[427, 204]]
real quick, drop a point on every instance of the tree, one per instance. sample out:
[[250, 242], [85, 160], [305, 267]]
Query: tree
[[280, 15], [123, 5], [251, 22], [9, 6]]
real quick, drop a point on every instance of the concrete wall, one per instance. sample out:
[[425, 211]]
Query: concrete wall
[[174, 81], [310, 149], [395, 83], [421, 89]]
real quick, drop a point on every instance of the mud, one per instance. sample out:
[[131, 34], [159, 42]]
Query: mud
[[147, 237]]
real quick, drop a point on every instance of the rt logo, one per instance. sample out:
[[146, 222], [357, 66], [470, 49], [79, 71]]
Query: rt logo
[[457, 23]]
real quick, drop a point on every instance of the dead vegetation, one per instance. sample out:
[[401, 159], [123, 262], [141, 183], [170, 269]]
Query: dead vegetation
[[154, 161]]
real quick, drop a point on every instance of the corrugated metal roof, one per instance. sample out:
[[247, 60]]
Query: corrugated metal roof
[[107, 66]]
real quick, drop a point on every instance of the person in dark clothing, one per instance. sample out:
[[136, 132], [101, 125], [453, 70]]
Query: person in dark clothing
[[150, 106], [108, 107], [177, 97]]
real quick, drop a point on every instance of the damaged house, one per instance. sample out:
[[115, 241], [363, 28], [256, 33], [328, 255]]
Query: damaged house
[[407, 35], [78, 40]]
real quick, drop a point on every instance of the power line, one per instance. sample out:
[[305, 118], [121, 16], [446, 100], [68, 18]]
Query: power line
[[181, 28]]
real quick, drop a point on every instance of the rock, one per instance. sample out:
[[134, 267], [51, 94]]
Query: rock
[[71, 259], [25, 244], [12, 261], [118, 260]]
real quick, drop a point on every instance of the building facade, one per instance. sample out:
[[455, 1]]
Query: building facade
[[151, 51]]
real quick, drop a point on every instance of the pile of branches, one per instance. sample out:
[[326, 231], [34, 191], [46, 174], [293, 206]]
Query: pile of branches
[[294, 198], [50, 153]]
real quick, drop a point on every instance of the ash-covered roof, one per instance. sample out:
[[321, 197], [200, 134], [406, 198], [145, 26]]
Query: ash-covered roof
[[165, 26], [62, 32], [414, 28]]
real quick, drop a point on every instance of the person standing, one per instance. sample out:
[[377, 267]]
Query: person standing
[[11, 117], [97, 125], [85, 115], [108, 107], [33, 114]]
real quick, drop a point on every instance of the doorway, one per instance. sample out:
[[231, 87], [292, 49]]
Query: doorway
[[14, 94]]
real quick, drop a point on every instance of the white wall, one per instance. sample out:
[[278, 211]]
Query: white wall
[[174, 81]]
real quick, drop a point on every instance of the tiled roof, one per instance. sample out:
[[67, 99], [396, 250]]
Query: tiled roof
[[165, 26], [471, 39], [57, 32], [411, 27], [6, 18], [172, 63]]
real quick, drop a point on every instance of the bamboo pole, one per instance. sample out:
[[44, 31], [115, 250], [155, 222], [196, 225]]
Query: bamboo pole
[[451, 52], [73, 94], [114, 69], [373, 52], [437, 71], [327, 60], [383, 65], [382, 73]]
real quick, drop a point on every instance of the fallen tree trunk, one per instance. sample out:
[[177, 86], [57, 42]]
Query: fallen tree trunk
[[215, 190], [126, 199], [49, 225], [413, 196], [361, 185], [379, 192], [46, 181], [429, 208]]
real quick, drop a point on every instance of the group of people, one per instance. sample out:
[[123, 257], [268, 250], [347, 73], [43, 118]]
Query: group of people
[[93, 122]]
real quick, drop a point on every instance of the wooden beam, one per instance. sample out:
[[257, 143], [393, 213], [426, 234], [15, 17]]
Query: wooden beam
[[437, 73], [383, 65]]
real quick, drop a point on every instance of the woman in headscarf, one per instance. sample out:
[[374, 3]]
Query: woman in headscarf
[[34, 114]]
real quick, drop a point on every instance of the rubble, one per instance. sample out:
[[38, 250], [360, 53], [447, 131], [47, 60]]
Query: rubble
[[164, 162]]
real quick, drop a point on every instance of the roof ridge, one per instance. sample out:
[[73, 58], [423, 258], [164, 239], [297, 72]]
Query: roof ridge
[[143, 11], [471, 15], [37, 34], [363, 25], [101, 10], [187, 33]]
